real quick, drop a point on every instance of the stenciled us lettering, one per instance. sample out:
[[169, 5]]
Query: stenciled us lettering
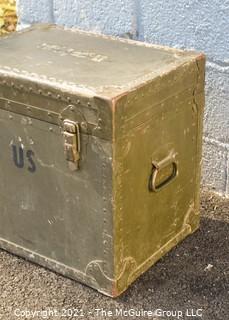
[[23, 158]]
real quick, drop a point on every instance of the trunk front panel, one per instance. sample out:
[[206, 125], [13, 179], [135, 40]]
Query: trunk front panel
[[49, 210]]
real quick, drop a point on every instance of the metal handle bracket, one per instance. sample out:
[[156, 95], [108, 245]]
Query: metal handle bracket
[[158, 167]]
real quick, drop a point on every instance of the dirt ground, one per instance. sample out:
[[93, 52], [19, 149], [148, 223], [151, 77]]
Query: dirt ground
[[194, 275]]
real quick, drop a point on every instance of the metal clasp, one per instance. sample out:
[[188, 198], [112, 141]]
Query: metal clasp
[[72, 143]]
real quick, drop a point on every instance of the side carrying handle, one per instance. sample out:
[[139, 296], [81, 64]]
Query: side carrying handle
[[158, 167]]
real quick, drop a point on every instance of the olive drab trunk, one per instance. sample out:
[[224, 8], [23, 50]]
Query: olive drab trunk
[[100, 152]]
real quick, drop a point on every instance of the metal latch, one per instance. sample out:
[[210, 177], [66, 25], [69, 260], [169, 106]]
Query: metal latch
[[72, 143]]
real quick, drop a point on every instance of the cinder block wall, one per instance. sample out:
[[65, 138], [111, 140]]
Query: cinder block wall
[[192, 24]]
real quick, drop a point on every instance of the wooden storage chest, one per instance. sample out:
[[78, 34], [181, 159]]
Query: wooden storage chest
[[100, 152]]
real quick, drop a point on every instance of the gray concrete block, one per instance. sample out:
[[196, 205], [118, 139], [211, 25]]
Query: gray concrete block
[[105, 16], [216, 118], [214, 166], [34, 11], [195, 24]]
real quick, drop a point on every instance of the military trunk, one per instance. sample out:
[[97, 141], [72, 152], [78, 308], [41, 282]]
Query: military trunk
[[100, 152]]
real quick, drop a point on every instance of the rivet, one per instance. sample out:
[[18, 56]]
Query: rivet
[[89, 104], [49, 114], [72, 108], [69, 99], [50, 129], [28, 108], [11, 117], [78, 101], [39, 91], [49, 94], [58, 96], [84, 125]]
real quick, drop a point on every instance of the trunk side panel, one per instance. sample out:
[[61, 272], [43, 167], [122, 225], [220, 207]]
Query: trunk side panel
[[163, 117]]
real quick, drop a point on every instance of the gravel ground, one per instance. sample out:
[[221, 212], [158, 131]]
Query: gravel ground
[[194, 275]]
